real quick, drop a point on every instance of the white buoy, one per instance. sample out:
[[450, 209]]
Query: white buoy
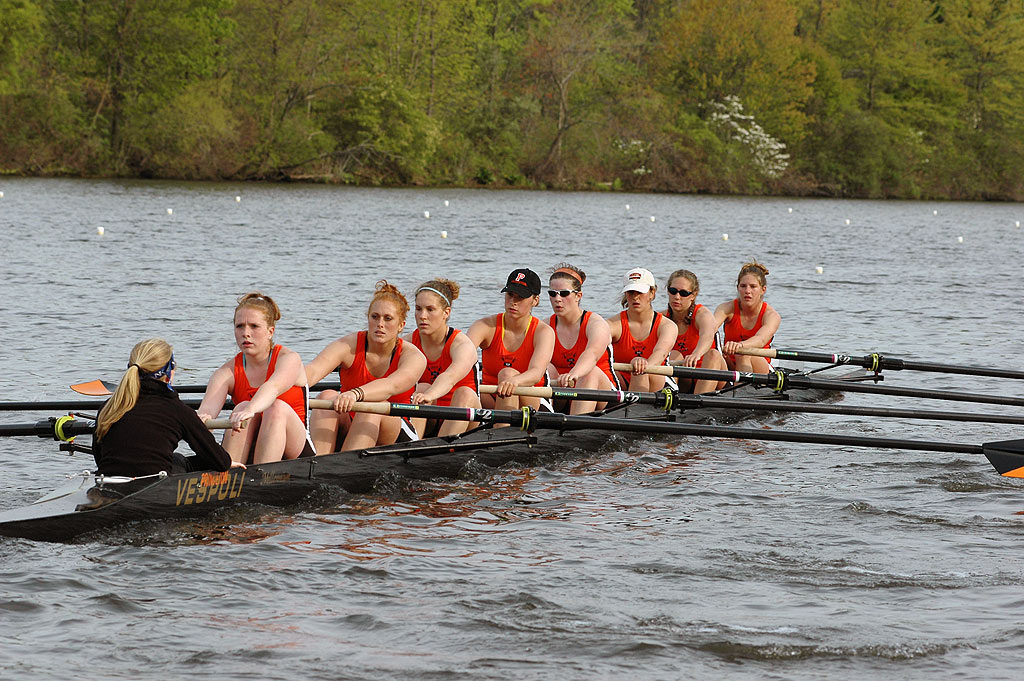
[[444, 234], [170, 211], [446, 202], [959, 239], [847, 220], [627, 205], [237, 199], [426, 213], [2, 194], [652, 218], [725, 237], [935, 212], [100, 230], [819, 269], [790, 210]]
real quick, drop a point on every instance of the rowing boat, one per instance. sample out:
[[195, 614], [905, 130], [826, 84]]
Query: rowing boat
[[91, 503]]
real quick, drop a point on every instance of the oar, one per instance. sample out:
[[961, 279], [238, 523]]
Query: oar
[[66, 427], [1006, 456], [673, 399], [98, 388], [781, 381], [879, 362], [79, 405]]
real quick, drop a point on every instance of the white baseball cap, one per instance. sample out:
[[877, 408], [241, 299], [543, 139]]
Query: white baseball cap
[[638, 279]]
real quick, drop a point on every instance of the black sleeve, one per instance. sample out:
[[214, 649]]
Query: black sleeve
[[208, 451]]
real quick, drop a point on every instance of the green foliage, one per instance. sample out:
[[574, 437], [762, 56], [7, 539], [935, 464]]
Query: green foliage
[[909, 98]]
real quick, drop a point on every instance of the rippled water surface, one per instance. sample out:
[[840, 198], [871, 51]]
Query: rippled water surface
[[661, 559]]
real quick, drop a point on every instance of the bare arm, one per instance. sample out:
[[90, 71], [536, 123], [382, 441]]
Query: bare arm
[[340, 352], [482, 331], [706, 326], [667, 333], [599, 337], [221, 383], [463, 354], [287, 372], [769, 326], [543, 348]]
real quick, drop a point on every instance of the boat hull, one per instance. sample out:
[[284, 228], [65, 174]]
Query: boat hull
[[92, 503]]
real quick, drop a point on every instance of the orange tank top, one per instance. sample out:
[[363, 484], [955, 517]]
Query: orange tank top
[[686, 342], [564, 358], [628, 348], [438, 366], [733, 329], [294, 397], [357, 375], [495, 357]]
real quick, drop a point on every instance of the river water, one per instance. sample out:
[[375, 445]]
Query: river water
[[692, 558]]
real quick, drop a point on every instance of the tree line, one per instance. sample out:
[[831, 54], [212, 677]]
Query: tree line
[[868, 98]]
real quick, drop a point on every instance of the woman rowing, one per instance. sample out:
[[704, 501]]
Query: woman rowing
[[268, 386], [139, 427], [582, 349], [373, 366], [515, 346], [639, 336], [748, 321], [449, 379], [696, 327]]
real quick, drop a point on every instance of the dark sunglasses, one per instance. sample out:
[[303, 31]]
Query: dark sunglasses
[[673, 291], [564, 293]]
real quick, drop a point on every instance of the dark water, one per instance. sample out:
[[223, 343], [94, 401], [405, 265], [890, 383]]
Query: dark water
[[693, 558]]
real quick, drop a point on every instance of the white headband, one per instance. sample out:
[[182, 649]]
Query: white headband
[[427, 288]]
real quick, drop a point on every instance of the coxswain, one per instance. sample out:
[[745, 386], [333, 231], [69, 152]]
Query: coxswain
[[641, 336], [515, 346], [139, 427], [696, 327], [582, 350], [747, 321], [267, 384], [450, 379], [374, 365]]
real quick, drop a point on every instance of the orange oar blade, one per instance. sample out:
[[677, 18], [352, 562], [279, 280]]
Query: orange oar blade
[[95, 388]]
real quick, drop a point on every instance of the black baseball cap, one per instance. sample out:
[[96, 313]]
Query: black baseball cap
[[523, 282]]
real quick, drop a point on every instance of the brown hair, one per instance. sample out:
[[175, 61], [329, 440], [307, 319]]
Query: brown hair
[[441, 287], [755, 268], [147, 356], [389, 292], [564, 270], [686, 274], [261, 303]]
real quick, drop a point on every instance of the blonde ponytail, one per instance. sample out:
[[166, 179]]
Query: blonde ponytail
[[147, 356]]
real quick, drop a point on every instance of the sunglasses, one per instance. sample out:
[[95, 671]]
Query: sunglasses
[[564, 293], [673, 291]]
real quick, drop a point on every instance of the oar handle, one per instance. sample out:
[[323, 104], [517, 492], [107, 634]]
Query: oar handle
[[523, 391], [656, 370], [365, 407]]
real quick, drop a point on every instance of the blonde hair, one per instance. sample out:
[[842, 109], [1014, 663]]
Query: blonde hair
[[755, 268], [439, 287], [575, 275], [389, 292], [147, 356]]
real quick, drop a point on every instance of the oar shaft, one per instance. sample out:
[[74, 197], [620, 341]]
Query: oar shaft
[[587, 394], [879, 362], [783, 381], [529, 419]]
